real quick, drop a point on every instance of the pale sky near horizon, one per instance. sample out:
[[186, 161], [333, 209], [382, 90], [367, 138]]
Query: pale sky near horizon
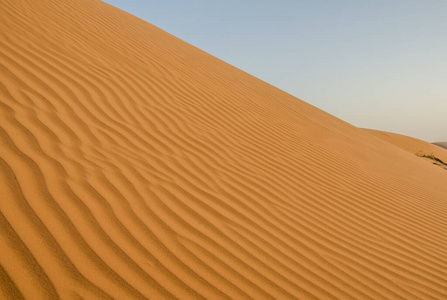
[[373, 63]]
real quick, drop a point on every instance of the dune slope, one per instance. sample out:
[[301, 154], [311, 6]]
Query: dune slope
[[134, 165], [441, 144], [411, 145]]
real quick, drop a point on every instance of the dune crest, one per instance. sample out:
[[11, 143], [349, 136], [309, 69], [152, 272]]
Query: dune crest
[[134, 165], [412, 145], [441, 144]]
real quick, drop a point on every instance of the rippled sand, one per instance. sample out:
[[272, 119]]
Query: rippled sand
[[134, 165]]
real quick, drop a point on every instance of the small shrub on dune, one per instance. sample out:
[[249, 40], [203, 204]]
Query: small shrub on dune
[[432, 157]]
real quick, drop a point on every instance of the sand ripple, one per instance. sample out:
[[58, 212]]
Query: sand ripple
[[133, 165]]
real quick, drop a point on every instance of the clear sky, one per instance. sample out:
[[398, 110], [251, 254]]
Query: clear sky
[[379, 64]]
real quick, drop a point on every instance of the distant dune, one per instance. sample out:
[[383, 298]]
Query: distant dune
[[134, 165], [441, 144], [412, 145]]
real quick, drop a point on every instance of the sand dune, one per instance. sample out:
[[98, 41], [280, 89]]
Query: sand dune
[[441, 144], [411, 145], [134, 165]]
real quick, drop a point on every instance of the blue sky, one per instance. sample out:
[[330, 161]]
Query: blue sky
[[375, 64]]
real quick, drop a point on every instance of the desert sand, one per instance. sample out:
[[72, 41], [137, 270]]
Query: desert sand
[[134, 165], [441, 144], [411, 145]]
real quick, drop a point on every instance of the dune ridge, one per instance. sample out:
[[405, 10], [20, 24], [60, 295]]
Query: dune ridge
[[409, 144], [441, 144], [134, 165]]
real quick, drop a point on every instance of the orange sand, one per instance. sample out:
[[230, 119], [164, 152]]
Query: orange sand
[[134, 165], [412, 145]]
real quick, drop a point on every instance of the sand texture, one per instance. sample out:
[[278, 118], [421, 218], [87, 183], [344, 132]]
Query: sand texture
[[411, 145], [134, 165]]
